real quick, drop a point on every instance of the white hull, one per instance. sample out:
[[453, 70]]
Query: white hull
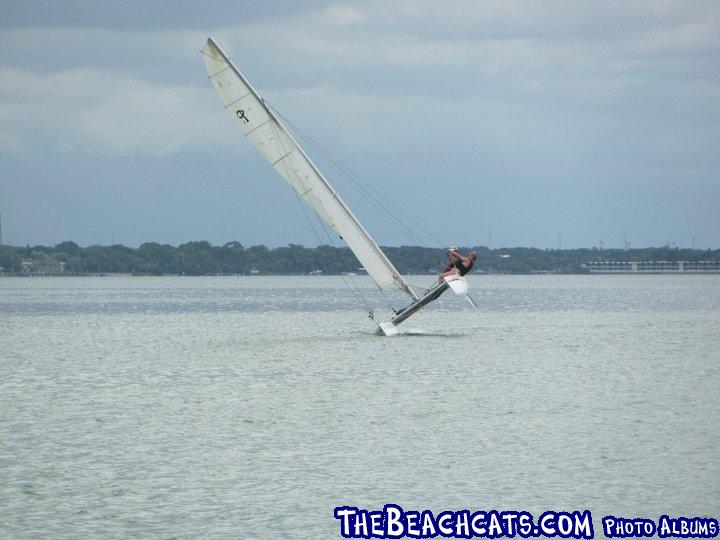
[[456, 283]]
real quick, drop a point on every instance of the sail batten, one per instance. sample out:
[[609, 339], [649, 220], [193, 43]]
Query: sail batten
[[268, 134]]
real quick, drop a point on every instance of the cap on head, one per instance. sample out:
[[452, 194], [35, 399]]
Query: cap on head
[[453, 248]]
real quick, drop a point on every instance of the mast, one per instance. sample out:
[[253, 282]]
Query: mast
[[398, 278], [325, 201]]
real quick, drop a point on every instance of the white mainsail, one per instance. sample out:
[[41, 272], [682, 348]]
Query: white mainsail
[[267, 134]]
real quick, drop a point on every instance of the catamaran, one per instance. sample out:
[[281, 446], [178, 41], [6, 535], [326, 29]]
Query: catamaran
[[268, 134]]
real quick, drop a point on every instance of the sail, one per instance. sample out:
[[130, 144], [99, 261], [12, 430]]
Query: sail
[[269, 136]]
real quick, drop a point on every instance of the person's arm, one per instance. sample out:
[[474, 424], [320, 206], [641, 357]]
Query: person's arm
[[448, 266], [464, 260]]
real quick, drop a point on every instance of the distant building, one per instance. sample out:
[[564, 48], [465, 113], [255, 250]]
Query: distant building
[[654, 267]]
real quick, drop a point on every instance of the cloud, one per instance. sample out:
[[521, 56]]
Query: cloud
[[10, 144], [342, 15], [542, 114], [105, 112], [499, 72]]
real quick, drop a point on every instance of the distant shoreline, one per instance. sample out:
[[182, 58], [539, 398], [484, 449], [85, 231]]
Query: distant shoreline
[[125, 274], [234, 259]]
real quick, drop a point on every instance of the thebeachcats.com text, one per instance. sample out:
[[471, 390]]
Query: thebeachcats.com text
[[394, 522]]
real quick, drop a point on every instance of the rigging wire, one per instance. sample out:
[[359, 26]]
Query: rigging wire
[[352, 287], [378, 203], [382, 203], [367, 190]]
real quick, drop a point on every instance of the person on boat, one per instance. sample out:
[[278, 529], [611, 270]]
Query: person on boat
[[457, 264]]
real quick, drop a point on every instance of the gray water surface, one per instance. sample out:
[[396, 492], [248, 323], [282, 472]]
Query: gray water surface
[[249, 407]]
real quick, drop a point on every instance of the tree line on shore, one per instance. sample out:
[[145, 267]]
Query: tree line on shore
[[203, 258]]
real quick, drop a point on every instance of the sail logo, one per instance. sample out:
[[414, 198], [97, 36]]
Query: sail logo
[[241, 115]]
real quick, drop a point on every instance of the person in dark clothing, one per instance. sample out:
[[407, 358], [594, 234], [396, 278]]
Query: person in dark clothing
[[457, 264]]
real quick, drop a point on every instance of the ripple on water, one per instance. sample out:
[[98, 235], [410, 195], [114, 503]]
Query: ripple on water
[[241, 406]]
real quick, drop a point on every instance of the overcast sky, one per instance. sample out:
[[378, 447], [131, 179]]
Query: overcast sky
[[585, 120]]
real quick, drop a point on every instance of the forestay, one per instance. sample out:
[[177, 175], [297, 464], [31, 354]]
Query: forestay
[[269, 136]]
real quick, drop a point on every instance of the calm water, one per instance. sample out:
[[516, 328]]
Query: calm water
[[244, 406]]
